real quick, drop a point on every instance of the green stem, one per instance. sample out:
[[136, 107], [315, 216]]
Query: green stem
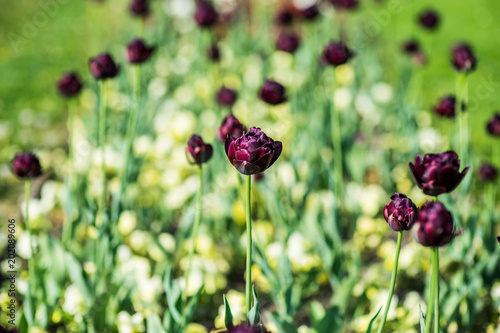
[[132, 127], [248, 282], [102, 144], [393, 282], [31, 261], [435, 281], [430, 310], [194, 234], [461, 98], [68, 218]]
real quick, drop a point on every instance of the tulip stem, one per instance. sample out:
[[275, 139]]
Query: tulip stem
[[132, 126], [460, 100], [435, 281], [393, 282], [194, 234], [102, 143], [31, 262], [433, 301], [248, 282], [336, 143]]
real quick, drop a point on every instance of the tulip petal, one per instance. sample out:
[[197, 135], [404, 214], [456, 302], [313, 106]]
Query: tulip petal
[[278, 147], [246, 168]]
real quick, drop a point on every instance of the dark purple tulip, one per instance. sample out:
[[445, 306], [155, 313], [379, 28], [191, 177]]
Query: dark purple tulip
[[272, 93], [138, 52], [226, 96], [498, 239], [69, 85], [344, 4], [400, 213], [288, 42], [429, 19], [230, 127], [446, 106], [488, 172], [493, 125], [412, 48], [197, 151], [336, 53], [247, 329], [436, 174], [26, 165], [284, 17], [309, 13], [253, 152], [463, 59], [213, 53], [103, 67], [434, 226], [205, 15], [139, 7]]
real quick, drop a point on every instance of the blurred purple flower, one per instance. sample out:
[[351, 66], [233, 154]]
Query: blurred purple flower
[[139, 8], [253, 152], [226, 96], [412, 48], [138, 52], [213, 53], [446, 106], [336, 53], [493, 126], [434, 226], [284, 17], [344, 4], [26, 165], [230, 127], [436, 174], [197, 151], [429, 19], [69, 85], [205, 15], [288, 42], [400, 213], [309, 13], [272, 93], [463, 58], [488, 172], [103, 67]]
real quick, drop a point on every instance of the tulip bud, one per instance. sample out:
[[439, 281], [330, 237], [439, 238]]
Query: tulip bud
[[309, 13], [197, 151], [253, 152], [493, 125], [488, 172], [139, 7], [272, 93], [226, 97], [400, 213], [446, 106], [288, 42], [103, 67], [345, 4], [429, 19], [434, 226], [231, 127], [412, 48], [437, 173], [213, 53], [205, 15], [336, 53], [69, 85], [284, 17], [26, 165], [138, 52], [463, 59]]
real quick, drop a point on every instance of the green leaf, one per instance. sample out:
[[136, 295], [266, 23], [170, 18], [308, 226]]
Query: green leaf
[[173, 292], [317, 312], [228, 317], [372, 321], [28, 314], [253, 314], [154, 324], [422, 320], [76, 274], [23, 324], [189, 310]]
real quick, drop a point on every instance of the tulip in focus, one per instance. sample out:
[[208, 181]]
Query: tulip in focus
[[436, 174], [197, 151], [103, 67], [400, 213], [253, 152], [434, 226], [26, 165]]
